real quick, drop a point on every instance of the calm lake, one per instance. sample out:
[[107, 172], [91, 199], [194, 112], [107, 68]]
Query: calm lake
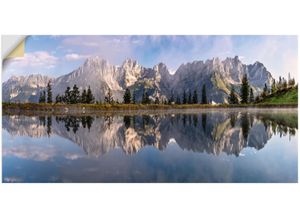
[[200, 146]]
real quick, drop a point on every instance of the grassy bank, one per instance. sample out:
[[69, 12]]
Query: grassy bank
[[88, 108], [285, 96]]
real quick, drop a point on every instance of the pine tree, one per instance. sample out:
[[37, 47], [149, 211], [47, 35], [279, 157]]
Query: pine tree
[[75, 95], [58, 99], [67, 96], [273, 88], [127, 97], [84, 96], [292, 82], [204, 97], [108, 97], [265, 91], [184, 100], [245, 90], [145, 98], [195, 97], [49, 93], [178, 102], [171, 100], [251, 98], [190, 101], [156, 100], [42, 98], [279, 86], [134, 98], [90, 99], [232, 97], [284, 84]]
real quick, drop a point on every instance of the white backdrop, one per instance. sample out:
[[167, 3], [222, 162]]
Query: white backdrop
[[149, 201]]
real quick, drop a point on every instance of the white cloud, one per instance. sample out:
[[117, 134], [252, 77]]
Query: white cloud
[[39, 153], [75, 56], [277, 53], [113, 48], [34, 59], [30, 152], [32, 62]]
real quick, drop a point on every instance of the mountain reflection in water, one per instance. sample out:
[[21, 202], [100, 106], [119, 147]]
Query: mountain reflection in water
[[209, 132]]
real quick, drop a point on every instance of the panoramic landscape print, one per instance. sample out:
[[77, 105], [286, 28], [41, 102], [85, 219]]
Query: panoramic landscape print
[[151, 109]]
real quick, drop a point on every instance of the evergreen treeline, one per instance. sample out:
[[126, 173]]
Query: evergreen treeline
[[71, 96], [46, 97], [247, 95]]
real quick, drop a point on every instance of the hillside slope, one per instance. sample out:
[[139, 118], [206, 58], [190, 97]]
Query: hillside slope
[[287, 96]]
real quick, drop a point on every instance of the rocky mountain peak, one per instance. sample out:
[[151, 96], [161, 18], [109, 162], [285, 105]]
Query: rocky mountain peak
[[218, 76], [161, 68], [216, 60], [130, 62], [95, 61], [258, 64]]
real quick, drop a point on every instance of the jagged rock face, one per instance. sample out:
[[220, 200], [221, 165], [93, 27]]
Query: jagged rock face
[[101, 75], [96, 73], [24, 88], [258, 74], [218, 76], [132, 71]]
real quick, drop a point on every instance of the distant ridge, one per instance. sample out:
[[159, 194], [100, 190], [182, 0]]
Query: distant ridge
[[217, 75]]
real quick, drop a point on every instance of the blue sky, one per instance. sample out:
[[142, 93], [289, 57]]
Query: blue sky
[[58, 55]]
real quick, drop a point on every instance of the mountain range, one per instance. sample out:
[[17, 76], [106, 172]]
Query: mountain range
[[217, 75]]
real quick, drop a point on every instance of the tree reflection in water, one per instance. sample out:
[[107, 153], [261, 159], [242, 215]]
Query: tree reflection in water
[[245, 124], [213, 133], [204, 116], [49, 124], [72, 122]]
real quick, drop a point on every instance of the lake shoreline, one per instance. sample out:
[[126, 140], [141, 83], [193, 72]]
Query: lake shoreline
[[95, 109], [192, 145]]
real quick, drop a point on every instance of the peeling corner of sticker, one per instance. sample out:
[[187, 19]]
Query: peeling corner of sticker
[[18, 51], [13, 46]]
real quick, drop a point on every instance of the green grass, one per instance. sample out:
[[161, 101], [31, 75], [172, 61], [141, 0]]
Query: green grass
[[286, 96]]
